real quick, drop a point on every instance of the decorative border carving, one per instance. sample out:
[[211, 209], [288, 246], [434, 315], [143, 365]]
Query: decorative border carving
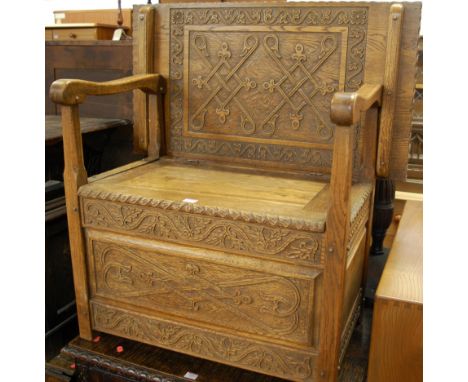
[[212, 232], [119, 368], [353, 17], [247, 354], [225, 213], [360, 215], [350, 324]]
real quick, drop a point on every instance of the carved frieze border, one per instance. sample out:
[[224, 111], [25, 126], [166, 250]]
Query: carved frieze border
[[360, 213], [117, 367], [179, 225], [244, 353], [353, 17], [249, 217]]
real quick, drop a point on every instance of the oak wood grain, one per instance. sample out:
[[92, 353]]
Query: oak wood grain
[[74, 92], [346, 108], [390, 82], [396, 342], [338, 220], [255, 205], [75, 176], [143, 63]]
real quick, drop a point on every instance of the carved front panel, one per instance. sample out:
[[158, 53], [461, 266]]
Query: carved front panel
[[279, 243], [256, 83], [241, 352], [221, 295]]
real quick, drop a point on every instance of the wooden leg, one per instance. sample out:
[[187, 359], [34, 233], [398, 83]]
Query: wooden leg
[[336, 253], [75, 176], [383, 213]]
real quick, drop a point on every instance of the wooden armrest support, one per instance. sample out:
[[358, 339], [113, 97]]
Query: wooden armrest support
[[74, 92], [346, 107]]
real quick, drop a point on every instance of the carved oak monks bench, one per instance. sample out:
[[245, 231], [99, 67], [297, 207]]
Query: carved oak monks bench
[[242, 237]]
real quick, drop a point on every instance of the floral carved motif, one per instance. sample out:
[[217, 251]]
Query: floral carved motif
[[267, 359], [248, 300], [231, 99], [204, 230]]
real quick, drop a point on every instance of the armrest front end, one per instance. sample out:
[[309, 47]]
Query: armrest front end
[[73, 92], [346, 107]]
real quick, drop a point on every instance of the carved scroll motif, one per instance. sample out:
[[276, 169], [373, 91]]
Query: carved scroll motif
[[290, 364], [250, 301], [271, 44], [197, 121], [211, 232], [227, 86]]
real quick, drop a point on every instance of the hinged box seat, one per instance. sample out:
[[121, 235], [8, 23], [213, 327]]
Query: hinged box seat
[[243, 236]]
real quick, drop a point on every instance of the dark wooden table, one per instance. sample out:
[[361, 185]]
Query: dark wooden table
[[53, 126]]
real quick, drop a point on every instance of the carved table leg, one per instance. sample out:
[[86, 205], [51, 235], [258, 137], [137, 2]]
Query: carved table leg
[[383, 213]]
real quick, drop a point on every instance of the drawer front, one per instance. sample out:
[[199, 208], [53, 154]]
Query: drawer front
[[74, 34], [223, 291]]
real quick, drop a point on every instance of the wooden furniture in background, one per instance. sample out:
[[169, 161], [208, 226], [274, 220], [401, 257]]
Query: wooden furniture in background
[[415, 160], [242, 236], [98, 16], [93, 61], [396, 352], [79, 32]]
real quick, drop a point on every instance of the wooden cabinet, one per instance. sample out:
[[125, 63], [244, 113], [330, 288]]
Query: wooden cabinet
[[79, 32], [396, 352]]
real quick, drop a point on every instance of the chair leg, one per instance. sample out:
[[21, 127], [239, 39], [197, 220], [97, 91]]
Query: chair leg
[[383, 213]]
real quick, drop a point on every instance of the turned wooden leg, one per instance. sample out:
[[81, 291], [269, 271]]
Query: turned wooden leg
[[383, 213]]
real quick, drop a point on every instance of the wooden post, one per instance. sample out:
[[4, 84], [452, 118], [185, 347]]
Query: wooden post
[[336, 239], [143, 63], [368, 175], [390, 84], [385, 187], [75, 176]]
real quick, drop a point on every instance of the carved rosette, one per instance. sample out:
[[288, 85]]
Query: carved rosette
[[268, 359], [294, 89]]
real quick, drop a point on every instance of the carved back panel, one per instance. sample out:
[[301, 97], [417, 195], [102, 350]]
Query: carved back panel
[[252, 83]]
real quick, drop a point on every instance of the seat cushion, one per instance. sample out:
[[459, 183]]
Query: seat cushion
[[232, 210]]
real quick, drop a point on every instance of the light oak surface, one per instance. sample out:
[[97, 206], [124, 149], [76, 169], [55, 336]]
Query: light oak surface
[[245, 242], [216, 187], [402, 276], [397, 343]]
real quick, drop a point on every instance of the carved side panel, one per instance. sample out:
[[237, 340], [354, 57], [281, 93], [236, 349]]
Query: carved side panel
[[256, 83], [207, 231], [269, 359], [220, 295]]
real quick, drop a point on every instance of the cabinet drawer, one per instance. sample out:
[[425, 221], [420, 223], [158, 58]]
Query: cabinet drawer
[[74, 34], [209, 288]]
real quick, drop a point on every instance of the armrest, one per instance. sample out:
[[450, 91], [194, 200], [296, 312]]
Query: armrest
[[346, 107], [73, 92]]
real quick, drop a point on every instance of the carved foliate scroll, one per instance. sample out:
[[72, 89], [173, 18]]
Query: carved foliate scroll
[[218, 233], [269, 359], [244, 300], [256, 84]]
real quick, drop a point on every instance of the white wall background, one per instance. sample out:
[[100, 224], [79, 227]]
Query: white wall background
[[49, 6]]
